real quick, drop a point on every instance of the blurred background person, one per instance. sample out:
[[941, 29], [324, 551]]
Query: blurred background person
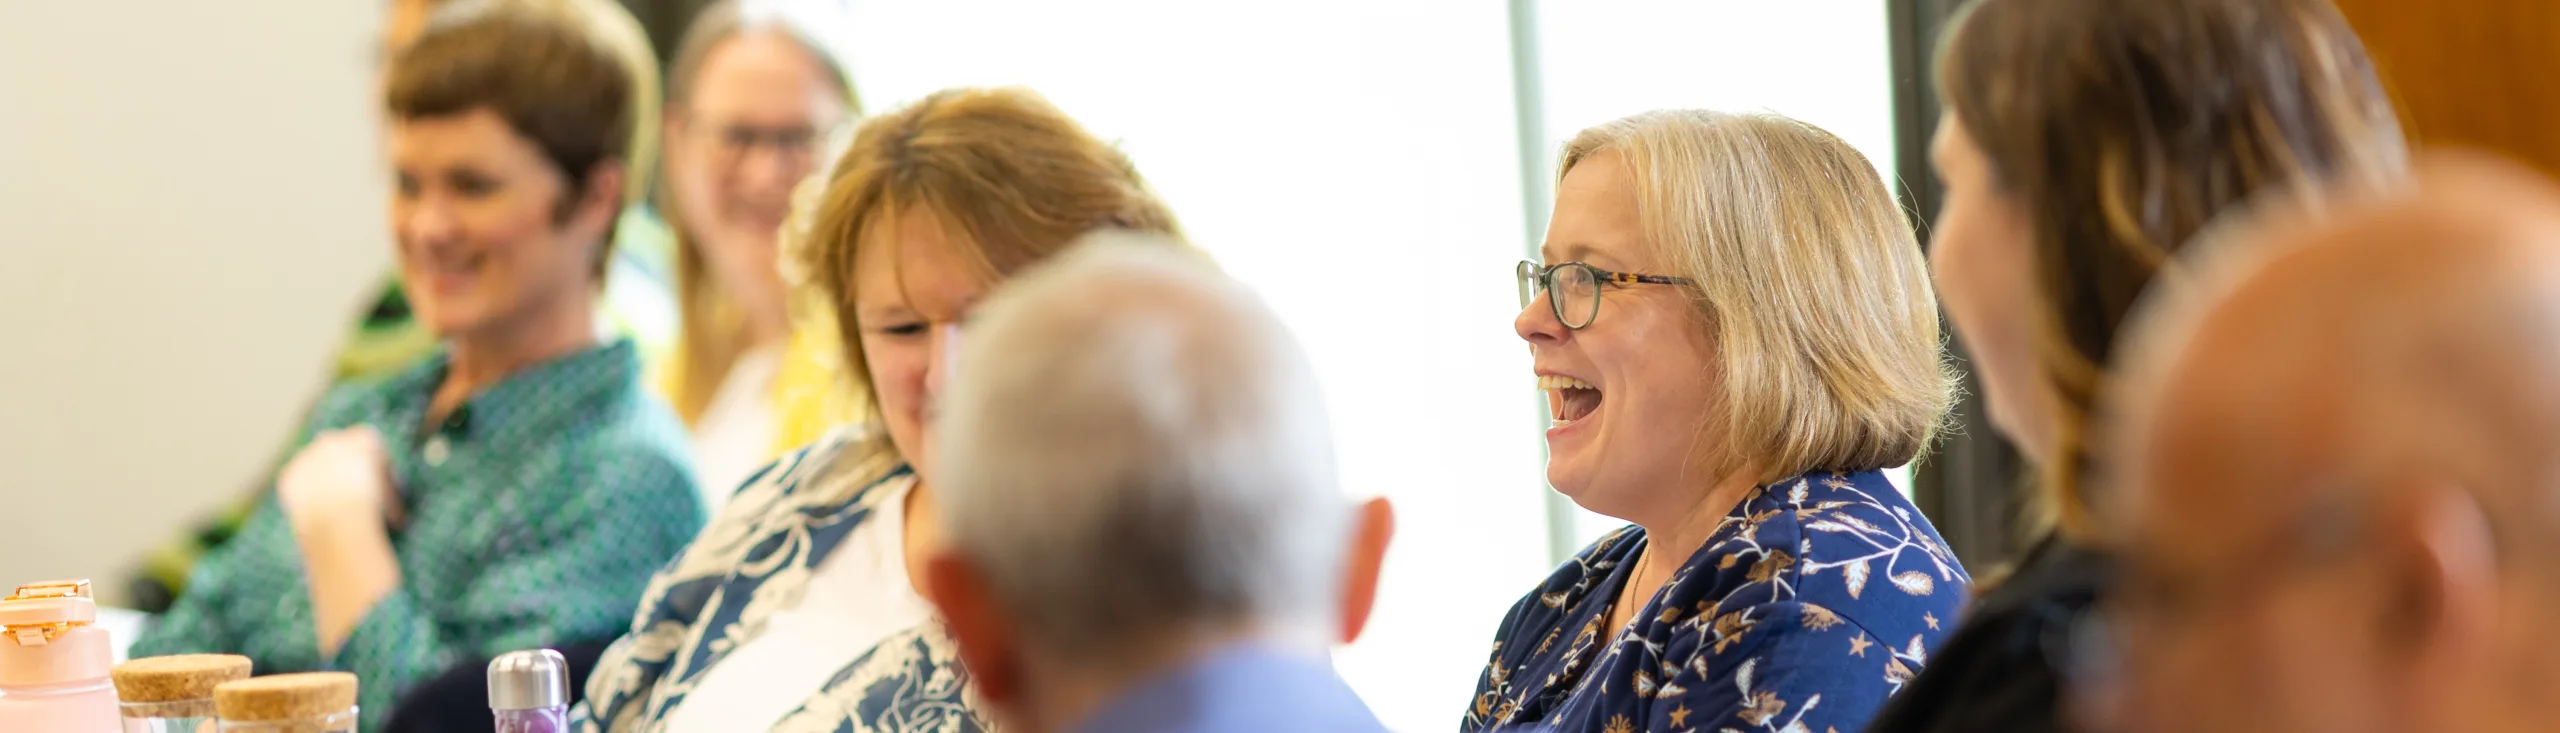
[[1146, 529], [387, 336], [2338, 462], [515, 488], [756, 90], [1736, 335], [798, 608], [2085, 142]]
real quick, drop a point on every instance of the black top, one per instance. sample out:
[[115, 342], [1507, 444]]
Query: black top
[[2011, 665]]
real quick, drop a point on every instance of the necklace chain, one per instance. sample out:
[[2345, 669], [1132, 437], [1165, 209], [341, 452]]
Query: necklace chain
[[1627, 598]]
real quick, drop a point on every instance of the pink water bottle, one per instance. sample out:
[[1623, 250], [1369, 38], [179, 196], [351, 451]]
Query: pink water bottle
[[54, 662]]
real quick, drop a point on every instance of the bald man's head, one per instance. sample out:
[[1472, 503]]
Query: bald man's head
[[2338, 467]]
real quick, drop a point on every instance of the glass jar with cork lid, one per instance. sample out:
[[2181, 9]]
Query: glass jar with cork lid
[[311, 702], [174, 694]]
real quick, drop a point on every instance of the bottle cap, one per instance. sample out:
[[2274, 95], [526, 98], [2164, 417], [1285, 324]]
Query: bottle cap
[[47, 636], [533, 679], [177, 678], [48, 604]]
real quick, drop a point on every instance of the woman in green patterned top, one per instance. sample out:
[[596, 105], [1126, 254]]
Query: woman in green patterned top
[[386, 339], [517, 487]]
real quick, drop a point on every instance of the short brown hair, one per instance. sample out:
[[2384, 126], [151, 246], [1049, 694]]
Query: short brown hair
[[1807, 277], [2123, 129], [574, 76], [1012, 178]]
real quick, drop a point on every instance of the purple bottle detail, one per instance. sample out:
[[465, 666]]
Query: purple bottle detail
[[546, 720], [529, 692]]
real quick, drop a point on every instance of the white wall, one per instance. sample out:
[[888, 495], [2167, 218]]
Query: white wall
[[189, 213]]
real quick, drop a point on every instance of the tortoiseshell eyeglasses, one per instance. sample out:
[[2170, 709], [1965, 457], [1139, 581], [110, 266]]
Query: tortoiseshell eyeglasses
[[1576, 288]]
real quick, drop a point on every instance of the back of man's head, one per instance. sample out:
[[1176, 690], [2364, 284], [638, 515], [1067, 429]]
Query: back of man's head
[[1135, 450], [2339, 467]]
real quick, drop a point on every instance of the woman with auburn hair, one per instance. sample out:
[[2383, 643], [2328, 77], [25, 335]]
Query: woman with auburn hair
[[2085, 143], [797, 609], [1736, 336]]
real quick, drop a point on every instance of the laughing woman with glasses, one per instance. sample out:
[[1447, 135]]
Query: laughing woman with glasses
[[1735, 332]]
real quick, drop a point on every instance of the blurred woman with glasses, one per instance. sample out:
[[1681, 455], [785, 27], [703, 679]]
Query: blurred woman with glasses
[[1736, 335], [2084, 143], [756, 91]]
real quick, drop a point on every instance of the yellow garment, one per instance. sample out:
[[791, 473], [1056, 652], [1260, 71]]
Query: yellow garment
[[811, 392], [808, 394]]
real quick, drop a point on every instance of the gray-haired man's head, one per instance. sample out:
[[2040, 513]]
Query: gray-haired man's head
[[1136, 461]]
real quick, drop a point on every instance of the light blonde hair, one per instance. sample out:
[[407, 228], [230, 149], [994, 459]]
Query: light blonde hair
[[1204, 456], [1807, 277], [1013, 179], [712, 329]]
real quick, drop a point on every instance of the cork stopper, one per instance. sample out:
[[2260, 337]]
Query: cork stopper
[[285, 696], [177, 678]]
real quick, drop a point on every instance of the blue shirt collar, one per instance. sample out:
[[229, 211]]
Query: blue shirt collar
[[1242, 688]]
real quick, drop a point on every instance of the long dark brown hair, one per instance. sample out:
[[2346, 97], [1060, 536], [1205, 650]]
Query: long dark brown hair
[[2122, 128]]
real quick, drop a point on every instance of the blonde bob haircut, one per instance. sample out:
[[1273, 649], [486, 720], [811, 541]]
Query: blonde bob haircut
[[1807, 277]]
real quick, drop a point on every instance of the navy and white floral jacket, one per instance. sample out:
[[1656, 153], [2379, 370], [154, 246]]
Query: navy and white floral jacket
[[1815, 599], [753, 560]]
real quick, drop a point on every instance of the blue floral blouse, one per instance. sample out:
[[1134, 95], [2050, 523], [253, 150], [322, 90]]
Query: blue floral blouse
[[755, 559], [1814, 600]]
